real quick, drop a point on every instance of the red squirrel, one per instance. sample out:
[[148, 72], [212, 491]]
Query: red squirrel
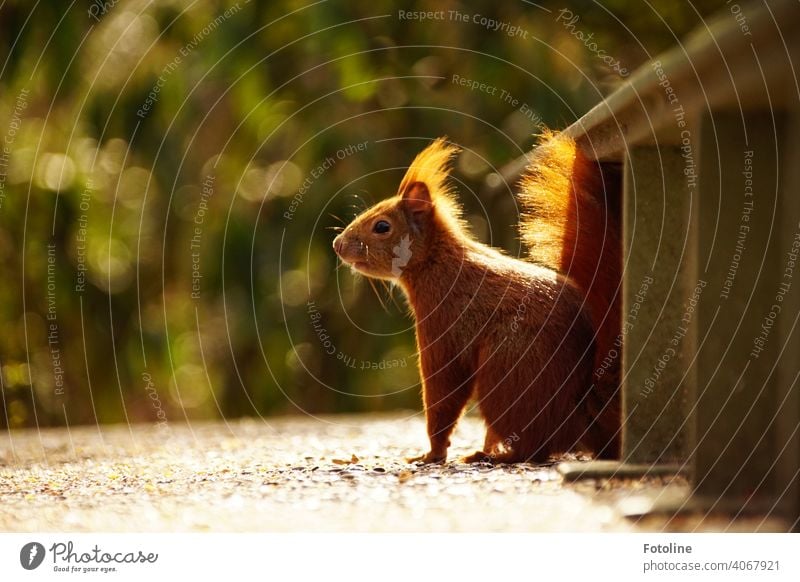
[[522, 337]]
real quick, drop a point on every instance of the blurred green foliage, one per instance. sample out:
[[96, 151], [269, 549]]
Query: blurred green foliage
[[171, 172]]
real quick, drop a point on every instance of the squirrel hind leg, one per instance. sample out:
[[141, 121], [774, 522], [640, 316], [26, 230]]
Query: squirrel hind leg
[[604, 441], [511, 450], [604, 434], [491, 448], [479, 457], [500, 454], [509, 457]]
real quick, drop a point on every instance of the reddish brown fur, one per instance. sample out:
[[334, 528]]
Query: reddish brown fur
[[513, 334]]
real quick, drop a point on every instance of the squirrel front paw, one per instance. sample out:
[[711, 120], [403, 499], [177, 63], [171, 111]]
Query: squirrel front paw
[[428, 458]]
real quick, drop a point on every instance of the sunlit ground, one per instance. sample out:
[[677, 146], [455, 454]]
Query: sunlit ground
[[334, 474]]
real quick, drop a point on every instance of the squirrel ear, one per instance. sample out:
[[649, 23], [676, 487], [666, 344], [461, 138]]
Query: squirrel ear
[[417, 197]]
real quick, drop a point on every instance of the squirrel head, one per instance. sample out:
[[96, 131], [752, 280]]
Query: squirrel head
[[394, 236]]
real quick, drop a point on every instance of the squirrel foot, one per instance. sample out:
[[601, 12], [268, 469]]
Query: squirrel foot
[[428, 458], [479, 457]]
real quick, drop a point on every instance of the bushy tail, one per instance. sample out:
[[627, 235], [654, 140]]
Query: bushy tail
[[571, 223]]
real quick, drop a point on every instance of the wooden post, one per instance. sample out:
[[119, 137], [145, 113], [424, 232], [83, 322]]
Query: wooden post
[[787, 429], [746, 410], [658, 285]]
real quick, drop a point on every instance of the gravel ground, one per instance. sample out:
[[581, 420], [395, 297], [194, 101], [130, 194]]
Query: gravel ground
[[343, 473]]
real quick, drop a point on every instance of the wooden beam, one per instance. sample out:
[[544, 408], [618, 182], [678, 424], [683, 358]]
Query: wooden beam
[[717, 66]]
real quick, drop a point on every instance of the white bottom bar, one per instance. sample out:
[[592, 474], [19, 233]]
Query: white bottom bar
[[352, 557]]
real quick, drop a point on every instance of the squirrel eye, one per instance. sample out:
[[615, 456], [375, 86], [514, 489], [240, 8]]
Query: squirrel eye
[[381, 227]]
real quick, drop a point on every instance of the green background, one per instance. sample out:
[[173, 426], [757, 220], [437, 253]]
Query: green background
[[260, 102]]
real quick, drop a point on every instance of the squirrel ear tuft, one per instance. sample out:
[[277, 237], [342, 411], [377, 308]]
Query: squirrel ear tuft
[[417, 197], [430, 169], [425, 184]]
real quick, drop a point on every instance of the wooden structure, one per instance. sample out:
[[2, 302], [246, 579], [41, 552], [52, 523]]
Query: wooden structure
[[708, 135]]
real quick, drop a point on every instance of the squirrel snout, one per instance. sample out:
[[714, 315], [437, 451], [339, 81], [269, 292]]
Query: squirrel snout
[[338, 243], [348, 248]]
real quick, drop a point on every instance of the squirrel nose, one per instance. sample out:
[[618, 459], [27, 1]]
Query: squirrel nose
[[338, 243]]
